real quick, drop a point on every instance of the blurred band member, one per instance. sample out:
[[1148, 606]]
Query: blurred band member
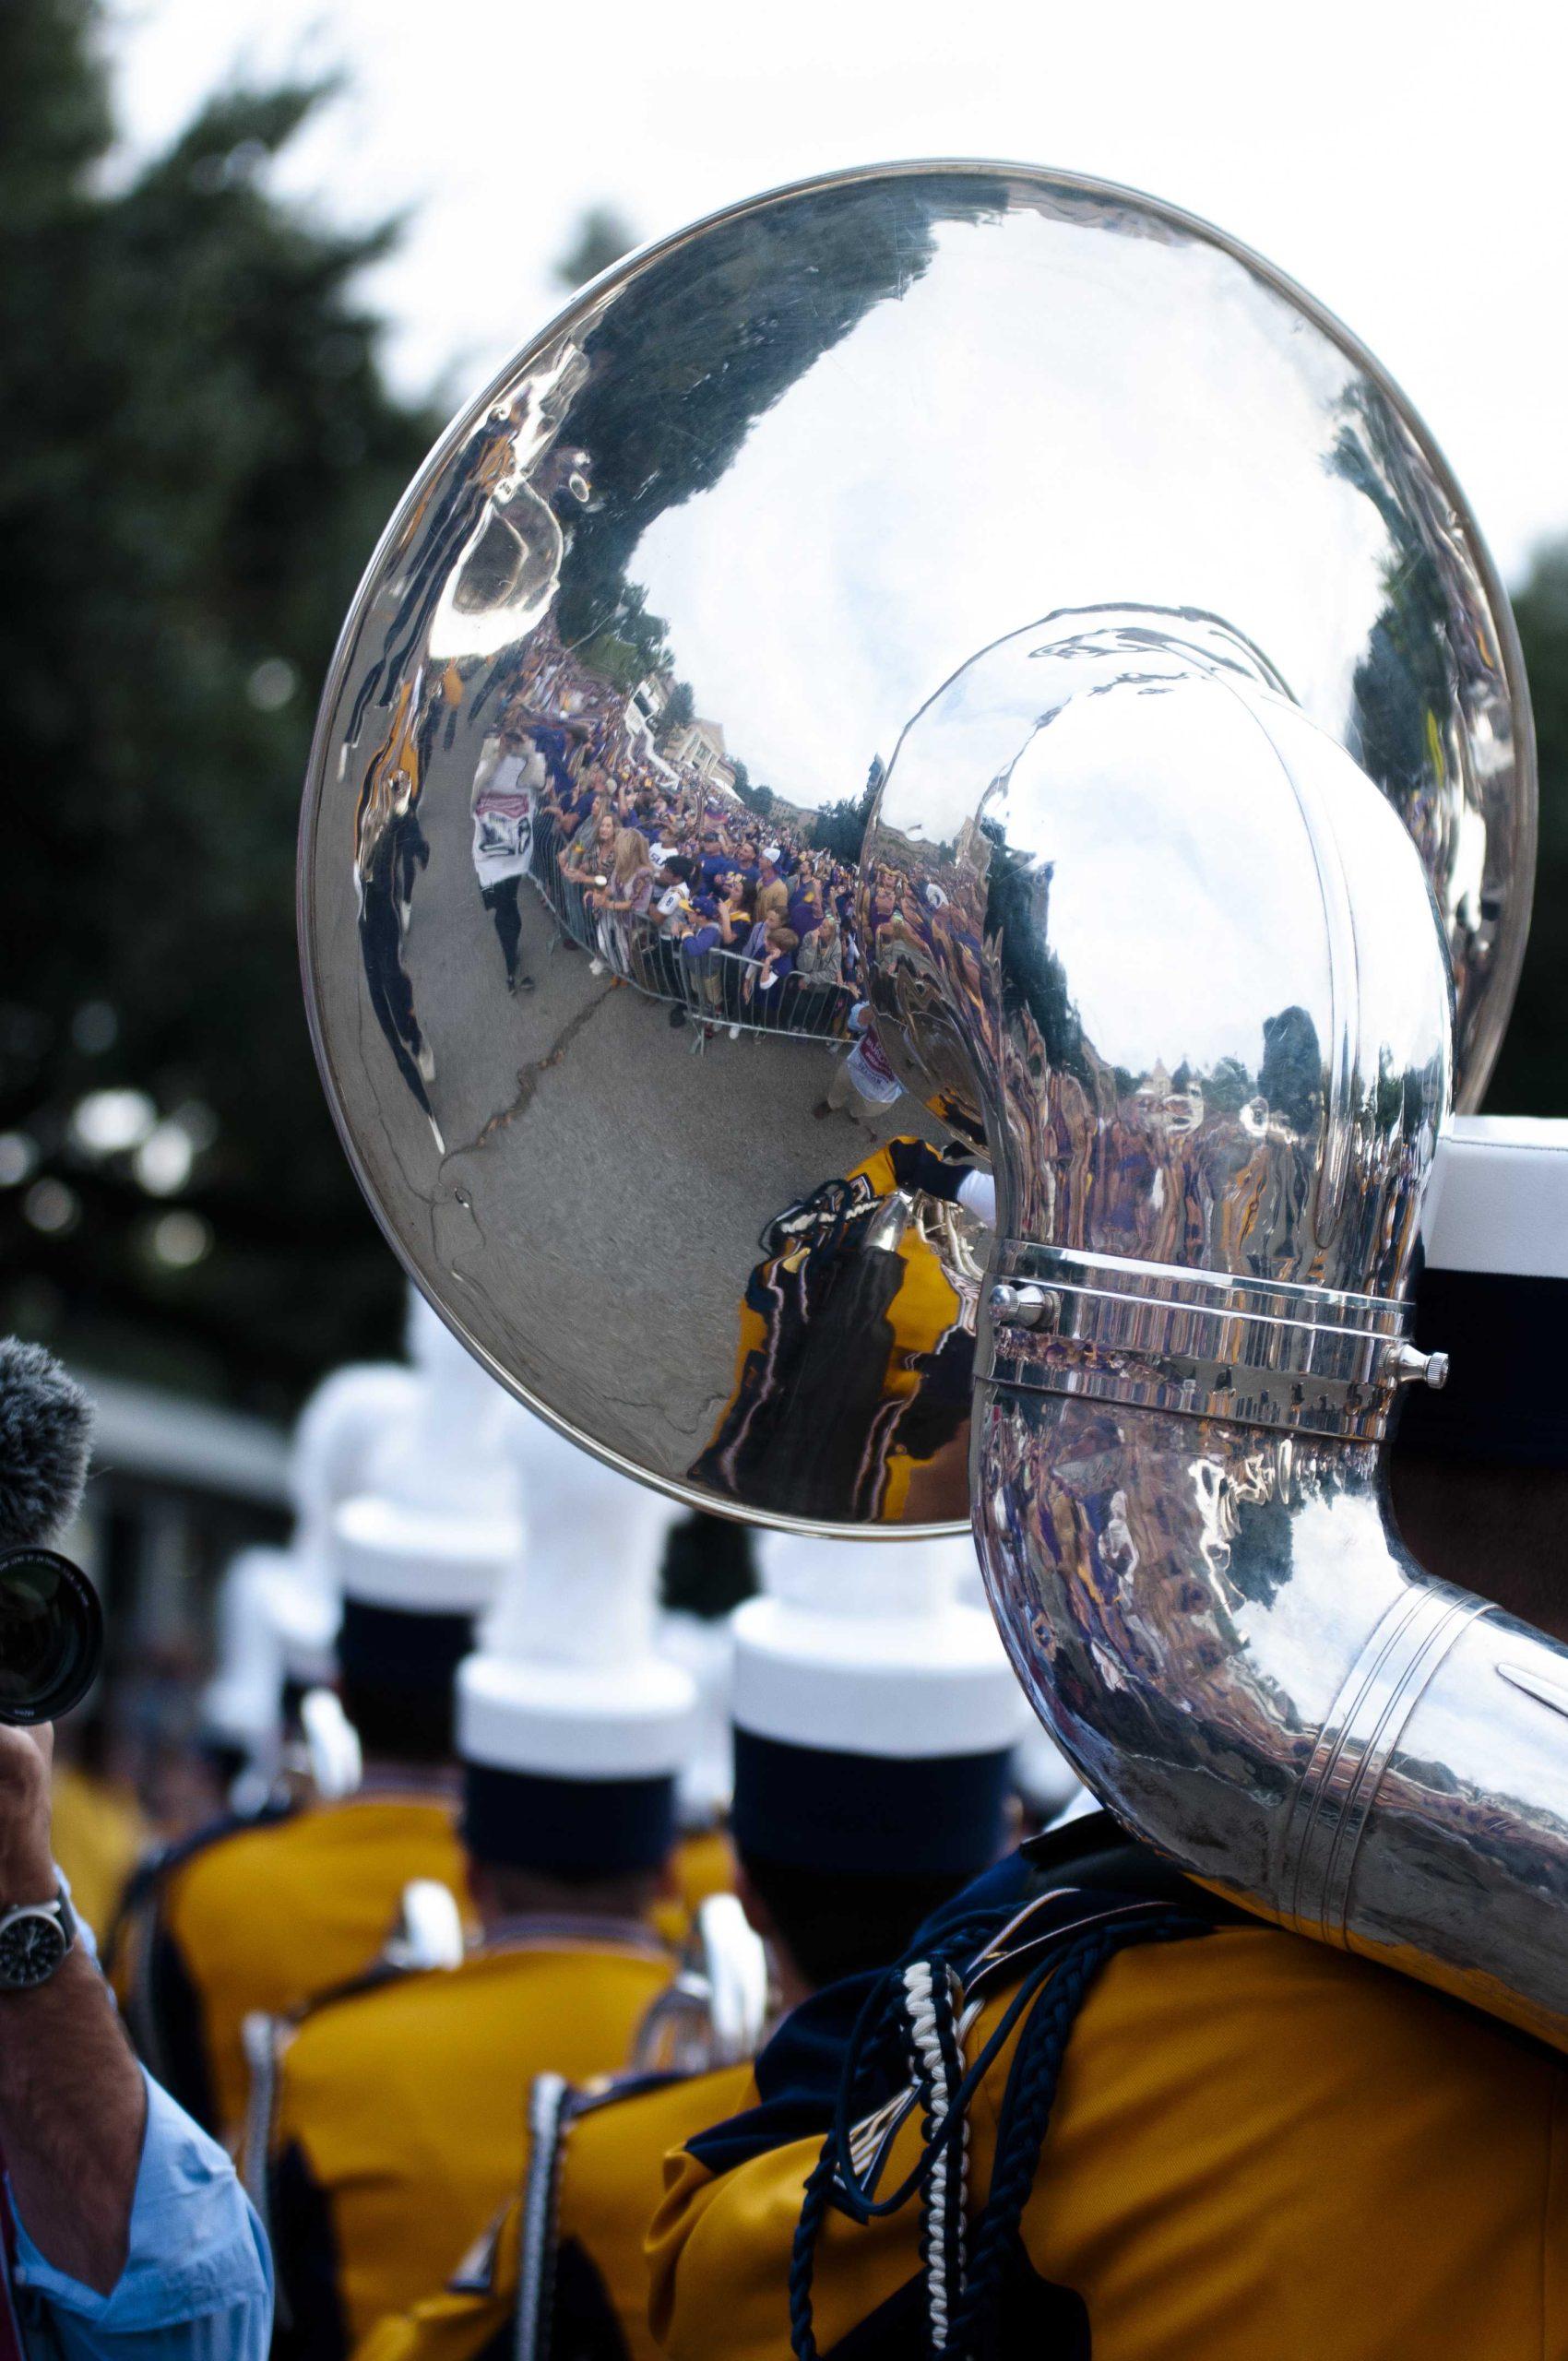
[[398, 2122], [261, 1915], [873, 1718]]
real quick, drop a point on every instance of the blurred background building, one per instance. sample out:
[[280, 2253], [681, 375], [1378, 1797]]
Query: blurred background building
[[249, 259]]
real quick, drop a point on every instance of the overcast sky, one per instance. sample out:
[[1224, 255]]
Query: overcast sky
[[1408, 165]]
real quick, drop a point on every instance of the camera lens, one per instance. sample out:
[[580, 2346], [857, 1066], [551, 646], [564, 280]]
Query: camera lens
[[51, 1635]]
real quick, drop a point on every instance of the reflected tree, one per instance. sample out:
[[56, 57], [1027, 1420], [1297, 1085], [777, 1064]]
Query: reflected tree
[[664, 416], [1018, 913], [1291, 1077], [1403, 680], [1532, 1074]]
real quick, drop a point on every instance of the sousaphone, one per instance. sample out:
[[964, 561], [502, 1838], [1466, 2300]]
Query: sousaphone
[[1028, 578]]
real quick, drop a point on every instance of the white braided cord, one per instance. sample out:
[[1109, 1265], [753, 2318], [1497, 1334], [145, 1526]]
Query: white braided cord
[[921, 2002]]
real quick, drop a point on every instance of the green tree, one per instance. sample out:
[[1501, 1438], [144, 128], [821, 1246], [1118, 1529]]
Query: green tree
[[1532, 1074], [1402, 682], [197, 451], [1229, 1087], [634, 648], [840, 828], [678, 713], [753, 793]]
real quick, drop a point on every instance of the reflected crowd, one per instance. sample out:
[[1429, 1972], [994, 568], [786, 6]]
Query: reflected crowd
[[655, 866]]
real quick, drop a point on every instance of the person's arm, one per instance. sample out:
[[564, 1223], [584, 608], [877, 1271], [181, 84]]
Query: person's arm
[[197, 2285], [72, 2102], [133, 2235], [72, 2111]]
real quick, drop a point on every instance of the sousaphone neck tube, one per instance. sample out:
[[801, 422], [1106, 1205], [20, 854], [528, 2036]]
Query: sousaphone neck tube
[[1186, 970]]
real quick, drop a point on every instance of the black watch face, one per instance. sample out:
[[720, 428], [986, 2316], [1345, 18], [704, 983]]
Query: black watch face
[[31, 1948]]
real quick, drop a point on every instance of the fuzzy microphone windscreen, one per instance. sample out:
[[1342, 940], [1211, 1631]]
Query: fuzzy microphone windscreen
[[45, 1439]]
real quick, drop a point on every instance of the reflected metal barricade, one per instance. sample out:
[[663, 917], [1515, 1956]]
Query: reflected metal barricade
[[720, 989]]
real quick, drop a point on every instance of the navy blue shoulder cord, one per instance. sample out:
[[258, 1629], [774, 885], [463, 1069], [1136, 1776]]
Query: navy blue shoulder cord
[[1064, 1976]]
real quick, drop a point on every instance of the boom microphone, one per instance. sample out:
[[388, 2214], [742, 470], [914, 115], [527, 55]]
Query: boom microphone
[[50, 1623]]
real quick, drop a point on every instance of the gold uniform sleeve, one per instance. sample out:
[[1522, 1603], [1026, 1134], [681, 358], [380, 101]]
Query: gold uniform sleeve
[[1261, 2150]]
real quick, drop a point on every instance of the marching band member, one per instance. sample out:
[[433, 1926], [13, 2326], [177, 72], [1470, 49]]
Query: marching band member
[[1230, 2141], [397, 2117], [260, 1914], [851, 1301], [874, 1714]]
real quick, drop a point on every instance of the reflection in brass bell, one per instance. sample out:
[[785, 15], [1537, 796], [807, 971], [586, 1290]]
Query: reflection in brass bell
[[586, 937]]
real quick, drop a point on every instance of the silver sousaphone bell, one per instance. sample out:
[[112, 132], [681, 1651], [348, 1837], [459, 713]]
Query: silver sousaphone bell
[[922, 812]]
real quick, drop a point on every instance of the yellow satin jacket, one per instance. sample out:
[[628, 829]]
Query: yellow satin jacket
[[1260, 2149], [704, 1864], [398, 2118], [264, 1916], [99, 1836], [607, 2171]]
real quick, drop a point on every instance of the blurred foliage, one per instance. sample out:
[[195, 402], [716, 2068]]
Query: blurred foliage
[[198, 452], [1404, 679], [1532, 1074], [602, 237]]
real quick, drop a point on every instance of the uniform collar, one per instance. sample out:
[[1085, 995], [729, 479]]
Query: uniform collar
[[570, 1930]]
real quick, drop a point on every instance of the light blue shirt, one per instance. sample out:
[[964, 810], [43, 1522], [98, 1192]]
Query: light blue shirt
[[198, 2280]]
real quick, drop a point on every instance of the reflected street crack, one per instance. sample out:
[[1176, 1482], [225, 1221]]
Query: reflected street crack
[[527, 1078]]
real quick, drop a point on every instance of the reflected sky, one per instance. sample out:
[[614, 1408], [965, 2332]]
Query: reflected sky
[[1044, 418]]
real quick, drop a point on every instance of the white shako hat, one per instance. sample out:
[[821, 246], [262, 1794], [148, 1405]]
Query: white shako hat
[[278, 1608], [876, 1712], [329, 1454], [420, 1551], [1493, 1293], [572, 1727], [242, 1704]]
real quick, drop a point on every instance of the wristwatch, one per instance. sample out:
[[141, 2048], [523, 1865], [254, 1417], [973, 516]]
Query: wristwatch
[[34, 1939]]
